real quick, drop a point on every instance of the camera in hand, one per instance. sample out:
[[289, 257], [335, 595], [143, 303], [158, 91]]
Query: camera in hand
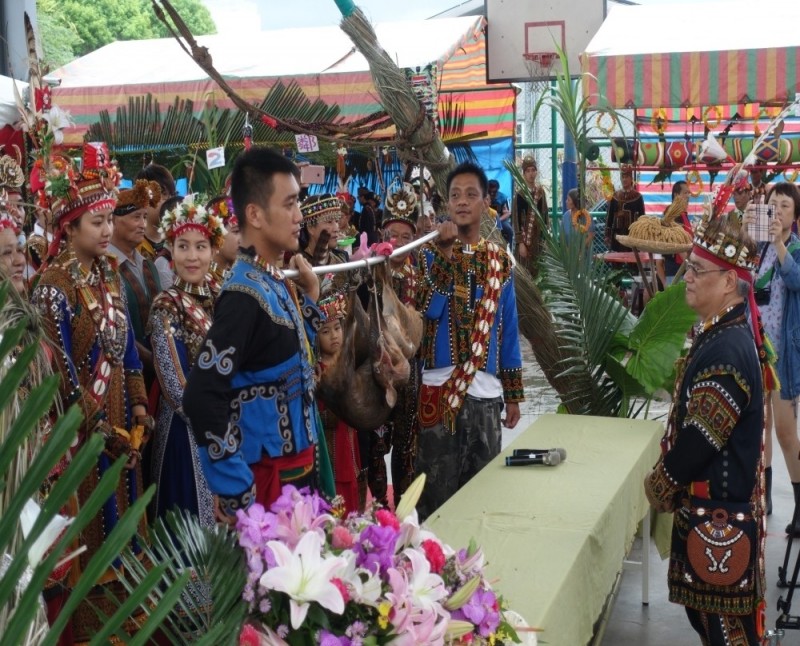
[[762, 296]]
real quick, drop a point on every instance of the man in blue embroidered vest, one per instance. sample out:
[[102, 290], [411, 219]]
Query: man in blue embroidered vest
[[250, 396], [472, 364]]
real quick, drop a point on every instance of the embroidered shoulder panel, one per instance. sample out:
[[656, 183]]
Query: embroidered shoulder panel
[[262, 289], [713, 411]]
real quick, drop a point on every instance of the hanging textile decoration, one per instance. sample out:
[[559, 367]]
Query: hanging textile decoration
[[341, 161], [423, 80], [247, 132]]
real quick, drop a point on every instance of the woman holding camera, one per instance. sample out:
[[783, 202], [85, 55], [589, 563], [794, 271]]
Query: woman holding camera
[[778, 296]]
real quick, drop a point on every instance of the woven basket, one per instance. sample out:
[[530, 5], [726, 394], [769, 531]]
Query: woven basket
[[653, 246]]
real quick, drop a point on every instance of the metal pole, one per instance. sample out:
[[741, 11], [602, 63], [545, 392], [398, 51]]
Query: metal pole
[[366, 262]]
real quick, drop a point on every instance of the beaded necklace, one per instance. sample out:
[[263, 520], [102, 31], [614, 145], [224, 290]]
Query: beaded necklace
[[105, 313], [472, 327], [190, 288]]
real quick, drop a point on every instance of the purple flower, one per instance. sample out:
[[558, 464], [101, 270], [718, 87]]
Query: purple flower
[[481, 610], [255, 526], [291, 495], [375, 548], [329, 639]]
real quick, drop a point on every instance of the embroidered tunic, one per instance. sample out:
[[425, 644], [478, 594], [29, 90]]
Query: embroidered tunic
[[713, 442], [179, 321], [86, 347], [251, 391], [449, 293]]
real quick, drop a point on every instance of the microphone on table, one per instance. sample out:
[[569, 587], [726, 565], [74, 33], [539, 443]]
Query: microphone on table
[[532, 452], [549, 459]]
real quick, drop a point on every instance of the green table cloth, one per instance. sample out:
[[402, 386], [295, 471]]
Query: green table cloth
[[555, 537]]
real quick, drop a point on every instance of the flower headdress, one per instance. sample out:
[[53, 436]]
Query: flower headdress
[[190, 215], [333, 307], [320, 208], [144, 193], [402, 204], [68, 192], [222, 207]]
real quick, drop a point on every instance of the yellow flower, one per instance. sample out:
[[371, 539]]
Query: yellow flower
[[384, 608]]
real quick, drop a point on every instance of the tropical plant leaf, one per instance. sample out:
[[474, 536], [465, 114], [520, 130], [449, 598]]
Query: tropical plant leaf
[[658, 338]]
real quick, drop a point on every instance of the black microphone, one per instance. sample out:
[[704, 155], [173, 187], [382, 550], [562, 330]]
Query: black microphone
[[531, 452], [550, 459]]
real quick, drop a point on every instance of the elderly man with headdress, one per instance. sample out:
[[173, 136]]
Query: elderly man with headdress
[[140, 277], [709, 474], [529, 224], [84, 315], [623, 210], [400, 228]]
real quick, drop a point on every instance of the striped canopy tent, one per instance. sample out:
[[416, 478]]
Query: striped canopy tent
[[695, 55], [322, 60]]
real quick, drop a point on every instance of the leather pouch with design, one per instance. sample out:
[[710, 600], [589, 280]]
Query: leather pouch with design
[[721, 542]]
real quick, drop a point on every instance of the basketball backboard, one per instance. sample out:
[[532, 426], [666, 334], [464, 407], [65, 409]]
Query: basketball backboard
[[522, 36]]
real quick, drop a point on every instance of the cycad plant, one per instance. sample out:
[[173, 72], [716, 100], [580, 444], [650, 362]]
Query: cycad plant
[[599, 358]]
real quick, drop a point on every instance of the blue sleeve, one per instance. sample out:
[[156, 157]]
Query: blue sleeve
[[790, 271], [510, 354], [312, 318], [56, 320], [435, 291], [170, 355], [208, 395]]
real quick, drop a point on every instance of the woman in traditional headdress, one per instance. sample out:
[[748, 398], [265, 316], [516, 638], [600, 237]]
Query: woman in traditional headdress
[[84, 314], [225, 255], [179, 320]]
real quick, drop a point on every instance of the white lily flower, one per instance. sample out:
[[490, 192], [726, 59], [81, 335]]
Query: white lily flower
[[58, 119], [426, 587], [30, 512], [305, 576]]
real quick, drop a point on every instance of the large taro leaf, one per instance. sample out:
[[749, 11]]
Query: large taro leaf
[[648, 354]]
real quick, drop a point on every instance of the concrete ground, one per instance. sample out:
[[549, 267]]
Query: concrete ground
[[663, 623]]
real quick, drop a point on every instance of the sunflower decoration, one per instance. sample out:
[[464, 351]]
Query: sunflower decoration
[[191, 214], [402, 203]]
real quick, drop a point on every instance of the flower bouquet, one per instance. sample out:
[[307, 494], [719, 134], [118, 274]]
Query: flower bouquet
[[316, 577]]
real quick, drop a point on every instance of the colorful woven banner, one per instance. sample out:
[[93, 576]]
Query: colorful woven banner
[[684, 79]]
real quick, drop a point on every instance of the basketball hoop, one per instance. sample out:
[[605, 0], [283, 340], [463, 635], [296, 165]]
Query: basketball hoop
[[540, 63]]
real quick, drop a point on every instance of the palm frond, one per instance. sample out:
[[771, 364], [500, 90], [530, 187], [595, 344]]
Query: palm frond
[[586, 315], [211, 609]]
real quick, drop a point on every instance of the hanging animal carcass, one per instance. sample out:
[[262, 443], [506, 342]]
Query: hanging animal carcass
[[360, 387]]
